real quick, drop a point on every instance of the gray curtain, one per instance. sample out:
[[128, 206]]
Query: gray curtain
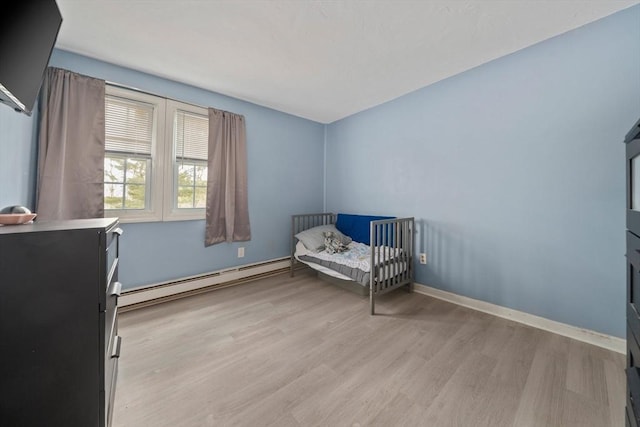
[[227, 215], [71, 147]]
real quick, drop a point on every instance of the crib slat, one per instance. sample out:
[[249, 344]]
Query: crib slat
[[385, 255], [404, 252], [409, 249], [396, 270], [389, 255]]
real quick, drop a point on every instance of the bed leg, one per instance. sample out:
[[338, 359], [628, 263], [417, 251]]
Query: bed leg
[[409, 287], [372, 303]]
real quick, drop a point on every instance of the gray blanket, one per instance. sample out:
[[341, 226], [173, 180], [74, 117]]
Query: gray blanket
[[355, 274]]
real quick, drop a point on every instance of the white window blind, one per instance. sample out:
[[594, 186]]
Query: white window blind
[[191, 134], [128, 126]]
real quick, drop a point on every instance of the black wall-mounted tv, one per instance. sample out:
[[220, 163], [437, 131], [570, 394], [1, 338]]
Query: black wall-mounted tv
[[28, 32]]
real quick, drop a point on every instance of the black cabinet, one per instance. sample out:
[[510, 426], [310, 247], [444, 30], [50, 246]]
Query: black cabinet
[[59, 345], [632, 140]]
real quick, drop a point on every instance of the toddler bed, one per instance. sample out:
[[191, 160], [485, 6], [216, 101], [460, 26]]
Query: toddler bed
[[370, 255]]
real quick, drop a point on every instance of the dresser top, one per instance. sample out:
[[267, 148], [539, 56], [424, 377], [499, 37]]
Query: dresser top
[[72, 224], [634, 133]]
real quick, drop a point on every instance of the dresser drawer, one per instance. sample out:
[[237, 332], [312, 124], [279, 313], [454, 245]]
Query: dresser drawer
[[109, 264], [633, 187], [110, 394], [113, 252], [111, 330], [111, 315], [633, 282], [633, 249], [113, 293], [109, 322], [111, 376], [110, 357], [633, 377], [633, 294], [110, 363]]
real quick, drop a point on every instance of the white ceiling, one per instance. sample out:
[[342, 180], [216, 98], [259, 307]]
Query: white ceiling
[[322, 60]]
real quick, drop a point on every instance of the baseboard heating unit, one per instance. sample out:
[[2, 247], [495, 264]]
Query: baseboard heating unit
[[173, 289]]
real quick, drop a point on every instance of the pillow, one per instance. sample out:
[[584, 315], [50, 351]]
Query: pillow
[[357, 226], [313, 238]]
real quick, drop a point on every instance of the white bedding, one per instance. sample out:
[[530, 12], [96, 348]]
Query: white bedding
[[358, 256]]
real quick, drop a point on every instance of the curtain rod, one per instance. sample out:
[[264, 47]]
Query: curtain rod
[[146, 92]]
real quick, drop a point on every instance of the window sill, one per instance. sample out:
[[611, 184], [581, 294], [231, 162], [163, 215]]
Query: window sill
[[127, 217]]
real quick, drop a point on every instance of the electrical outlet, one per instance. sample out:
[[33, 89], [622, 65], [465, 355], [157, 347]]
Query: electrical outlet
[[241, 252], [423, 258]]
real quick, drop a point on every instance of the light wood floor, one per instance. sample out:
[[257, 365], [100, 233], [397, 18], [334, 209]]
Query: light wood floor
[[296, 351]]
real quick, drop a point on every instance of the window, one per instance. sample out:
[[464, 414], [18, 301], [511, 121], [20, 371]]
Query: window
[[189, 130], [190, 139], [155, 165], [127, 163]]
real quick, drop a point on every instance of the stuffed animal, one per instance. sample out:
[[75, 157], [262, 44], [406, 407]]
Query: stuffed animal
[[332, 243]]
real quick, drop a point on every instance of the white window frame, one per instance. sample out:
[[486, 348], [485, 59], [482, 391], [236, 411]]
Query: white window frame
[[162, 206], [171, 211], [153, 212]]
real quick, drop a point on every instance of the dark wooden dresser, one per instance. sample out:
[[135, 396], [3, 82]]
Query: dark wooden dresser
[[632, 140], [59, 345]]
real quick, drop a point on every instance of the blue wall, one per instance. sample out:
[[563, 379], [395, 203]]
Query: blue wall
[[514, 171], [17, 158], [285, 177]]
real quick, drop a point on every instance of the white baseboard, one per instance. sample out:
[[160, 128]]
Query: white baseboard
[[159, 291], [609, 342]]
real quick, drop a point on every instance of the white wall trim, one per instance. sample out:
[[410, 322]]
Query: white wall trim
[[162, 290], [609, 342]]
